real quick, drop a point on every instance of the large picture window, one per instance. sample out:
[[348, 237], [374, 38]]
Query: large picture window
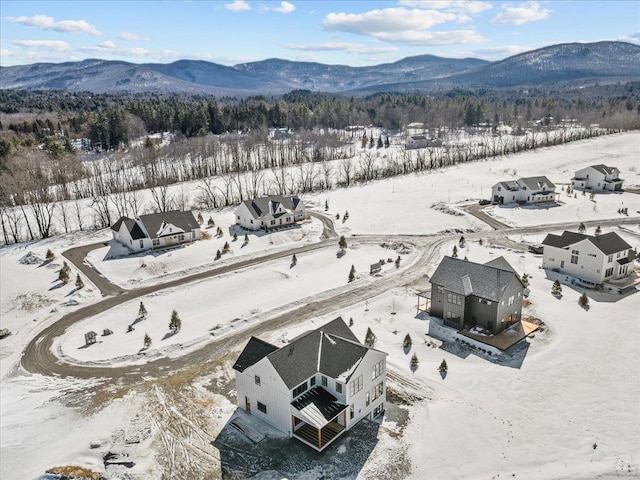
[[355, 386], [300, 389], [262, 407]]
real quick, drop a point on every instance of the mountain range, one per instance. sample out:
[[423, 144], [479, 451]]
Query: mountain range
[[571, 64]]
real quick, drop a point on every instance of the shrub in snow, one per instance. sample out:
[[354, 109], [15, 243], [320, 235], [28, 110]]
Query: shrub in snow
[[352, 274], [246, 238], [443, 366], [342, 243], [63, 275], [351, 321], [226, 247], [200, 219], [175, 324], [583, 301], [49, 257], [414, 362], [525, 280], [462, 242], [581, 228], [398, 262], [370, 338], [294, 260], [147, 340], [454, 254], [218, 255], [556, 289], [407, 342], [326, 205], [79, 282], [142, 311], [235, 237], [211, 223], [598, 230]]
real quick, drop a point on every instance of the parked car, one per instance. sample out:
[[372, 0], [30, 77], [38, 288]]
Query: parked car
[[484, 201]]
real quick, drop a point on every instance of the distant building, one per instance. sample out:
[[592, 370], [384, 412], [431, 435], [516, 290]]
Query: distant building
[[156, 230], [524, 191], [597, 178], [315, 388], [591, 259], [265, 213], [416, 141], [467, 294]]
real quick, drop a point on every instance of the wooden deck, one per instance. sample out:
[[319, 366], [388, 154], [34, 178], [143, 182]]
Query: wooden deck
[[505, 339]]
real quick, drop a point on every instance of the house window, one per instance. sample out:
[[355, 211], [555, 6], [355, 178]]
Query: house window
[[338, 387], [257, 379], [378, 410], [238, 217], [273, 222], [376, 391], [351, 411], [355, 386], [156, 242], [300, 389], [252, 221], [618, 254], [262, 407], [591, 255], [454, 299], [608, 272], [574, 259], [312, 382], [440, 290], [141, 243], [610, 259], [511, 299], [323, 380], [367, 399], [377, 369]]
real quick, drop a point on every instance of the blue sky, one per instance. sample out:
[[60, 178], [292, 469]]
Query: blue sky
[[335, 32]]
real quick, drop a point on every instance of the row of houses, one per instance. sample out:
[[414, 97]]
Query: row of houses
[[532, 190]]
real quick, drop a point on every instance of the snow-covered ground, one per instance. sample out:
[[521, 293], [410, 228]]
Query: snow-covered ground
[[578, 386], [221, 304]]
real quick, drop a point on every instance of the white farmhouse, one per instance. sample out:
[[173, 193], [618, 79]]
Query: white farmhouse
[[315, 388], [592, 260], [597, 178], [156, 230], [524, 191], [269, 212], [416, 141]]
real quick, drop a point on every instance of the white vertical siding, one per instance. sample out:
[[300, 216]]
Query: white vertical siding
[[360, 408]]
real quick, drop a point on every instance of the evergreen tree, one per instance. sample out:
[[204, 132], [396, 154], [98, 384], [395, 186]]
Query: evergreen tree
[[462, 242], [175, 324], [387, 144], [454, 254], [246, 238], [235, 237], [142, 311], [79, 282], [443, 366], [556, 288], [49, 257], [200, 219], [326, 205], [351, 321], [226, 247], [370, 338], [371, 141], [380, 144], [480, 242], [398, 262], [211, 223], [63, 276], [414, 362], [407, 341], [525, 280], [218, 255], [592, 195], [147, 340], [342, 243], [581, 228], [363, 144], [294, 260], [583, 301], [352, 274], [598, 230]]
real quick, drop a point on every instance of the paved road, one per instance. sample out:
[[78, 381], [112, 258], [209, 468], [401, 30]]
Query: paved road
[[477, 211], [38, 357], [77, 255]]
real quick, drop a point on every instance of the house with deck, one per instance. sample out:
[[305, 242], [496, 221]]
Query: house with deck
[[592, 260], [524, 191], [466, 294], [598, 178], [316, 387], [156, 230], [269, 212]]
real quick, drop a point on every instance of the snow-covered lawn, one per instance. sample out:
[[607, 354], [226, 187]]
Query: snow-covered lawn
[[218, 305], [135, 271]]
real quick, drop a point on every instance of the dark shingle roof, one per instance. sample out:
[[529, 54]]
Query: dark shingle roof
[[324, 406], [464, 277], [608, 243], [132, 227], [116, 226], [502, 264], [253, 352], [536, 183], [603, 169], [184, 220], [259, 207]]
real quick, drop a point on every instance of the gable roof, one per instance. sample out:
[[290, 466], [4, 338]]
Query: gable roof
[[132, 226], [259, 207], [604, 169], [536, 183], [607, 243], [253, 352], [463, 277], [184, 220], [331, 349], [508, 185]]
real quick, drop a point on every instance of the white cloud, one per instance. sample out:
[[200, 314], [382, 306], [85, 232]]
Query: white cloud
[[285, 7], [460, 5], [501, 52], [387, 20], [107, 44], [523, 13], [413, 37], [45, 22], [5, 53], [632, 38], [339, 46], [128, 37], [55, 45], [237, 6]]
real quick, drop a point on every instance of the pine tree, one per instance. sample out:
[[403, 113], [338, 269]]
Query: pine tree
[[218, 255], [387, 144], [211, 223], [462, 242], [581, 228], [49, 257], [414, 362], [583, 301], [63, 276], [226, 247], [79, 282], [371, 141], [352, 274], [592, 195], [370, 338], [294, 260], [175, 324], [598, 230], [480, 242], [351, 321], [525, 280], [454, 254], [142, 311], [443, 366], [342, 243], [364, 140], [246, 238], [380, 144], [200, 219], [147, 340], [398, 262], [235, 237], [556, 289], [326, 205], [407, 341]]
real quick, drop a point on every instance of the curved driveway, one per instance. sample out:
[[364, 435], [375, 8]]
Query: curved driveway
[[38, 357]]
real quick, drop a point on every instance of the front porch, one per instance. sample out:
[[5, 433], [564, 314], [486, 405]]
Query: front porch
[[317, 418]]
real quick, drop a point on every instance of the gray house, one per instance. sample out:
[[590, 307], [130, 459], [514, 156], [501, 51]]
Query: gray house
[[466, 294]]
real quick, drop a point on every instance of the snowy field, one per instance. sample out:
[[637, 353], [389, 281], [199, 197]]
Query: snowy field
[[225, 303], [569, 410]]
